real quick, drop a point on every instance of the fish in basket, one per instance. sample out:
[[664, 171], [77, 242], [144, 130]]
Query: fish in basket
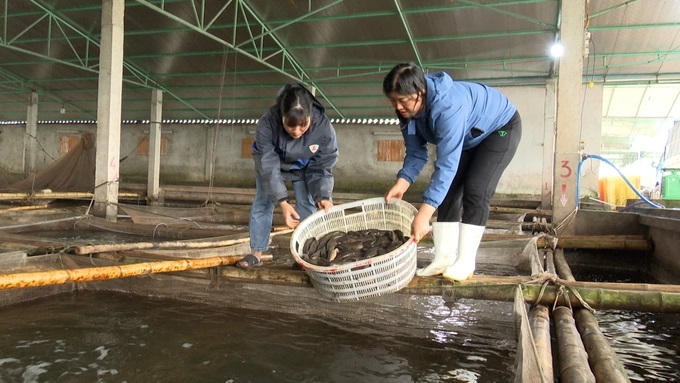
[[357, 250]]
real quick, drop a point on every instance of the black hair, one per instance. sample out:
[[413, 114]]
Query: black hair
[[295, 104], [405, 78]]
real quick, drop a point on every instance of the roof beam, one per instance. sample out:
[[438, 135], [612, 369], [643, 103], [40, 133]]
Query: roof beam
[[408, 33], [607, 10], [25, 86], [429, 9], [300, 75], [426, 39], [633, 26], [83, 60], [506, 13], [286, 52], [270, 31]]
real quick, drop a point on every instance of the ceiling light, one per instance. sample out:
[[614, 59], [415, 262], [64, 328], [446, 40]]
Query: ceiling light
[[556, 50]]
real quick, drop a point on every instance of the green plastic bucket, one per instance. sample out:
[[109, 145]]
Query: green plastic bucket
[[670, 187]]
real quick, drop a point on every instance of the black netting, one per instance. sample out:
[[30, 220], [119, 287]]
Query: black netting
[[73, 172]]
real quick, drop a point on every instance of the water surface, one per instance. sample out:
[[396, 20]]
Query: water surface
[[115, 337]]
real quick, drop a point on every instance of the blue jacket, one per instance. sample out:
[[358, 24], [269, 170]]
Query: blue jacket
[[311, 156], [457, 116]]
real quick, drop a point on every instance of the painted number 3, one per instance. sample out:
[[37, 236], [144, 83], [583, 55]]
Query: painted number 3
[[566, 169]]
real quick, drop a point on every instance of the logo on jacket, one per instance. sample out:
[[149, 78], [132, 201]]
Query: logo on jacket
[[313, 148]]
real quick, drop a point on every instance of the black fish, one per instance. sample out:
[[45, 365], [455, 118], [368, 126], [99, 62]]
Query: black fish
[[337, 247]]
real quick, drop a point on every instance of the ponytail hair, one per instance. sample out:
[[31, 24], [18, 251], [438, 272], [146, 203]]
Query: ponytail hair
[[295, 104], [405, 78]]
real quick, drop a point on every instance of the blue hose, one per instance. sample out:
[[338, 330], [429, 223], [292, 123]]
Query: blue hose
[[578, 181]]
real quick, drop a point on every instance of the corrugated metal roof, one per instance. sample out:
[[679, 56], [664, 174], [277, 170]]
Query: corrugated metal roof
[[226, 59]]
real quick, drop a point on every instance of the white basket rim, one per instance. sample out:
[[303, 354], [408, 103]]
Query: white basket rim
[[366, 262]]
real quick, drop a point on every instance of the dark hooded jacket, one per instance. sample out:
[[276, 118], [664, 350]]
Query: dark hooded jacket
[[279, 157]]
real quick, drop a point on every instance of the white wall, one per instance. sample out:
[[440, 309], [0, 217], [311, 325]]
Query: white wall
[[189, 148], [524, 174]]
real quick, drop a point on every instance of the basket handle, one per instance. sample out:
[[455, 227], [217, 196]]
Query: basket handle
[[355, 204]]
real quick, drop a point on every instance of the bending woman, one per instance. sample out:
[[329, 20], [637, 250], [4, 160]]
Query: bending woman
[[294, 143], [476, 130]]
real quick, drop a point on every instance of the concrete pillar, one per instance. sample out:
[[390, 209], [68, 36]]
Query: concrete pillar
[[568, 117], [210, 160], [30, 143], [109, 110], [548, 143], [153, 189]]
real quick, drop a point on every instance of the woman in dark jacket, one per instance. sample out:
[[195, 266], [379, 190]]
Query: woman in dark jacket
[[296, 143]]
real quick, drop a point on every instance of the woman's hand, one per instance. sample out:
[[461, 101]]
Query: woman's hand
[[420, 225], [397, 190], [324, 204], [289, 214]]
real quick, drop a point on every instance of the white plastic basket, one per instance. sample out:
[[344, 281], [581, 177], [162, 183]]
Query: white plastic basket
[[368, 277]]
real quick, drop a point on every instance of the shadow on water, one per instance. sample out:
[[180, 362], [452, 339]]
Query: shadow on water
[[115, 337]]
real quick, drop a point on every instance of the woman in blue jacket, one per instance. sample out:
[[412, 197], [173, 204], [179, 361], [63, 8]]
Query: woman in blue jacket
[[296, 143], [476, 131]]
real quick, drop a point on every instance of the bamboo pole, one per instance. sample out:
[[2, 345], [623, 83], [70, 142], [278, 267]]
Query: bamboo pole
[[598, 295], [571, 351], [155, 231], [229, 195], [572, 354], [58, 195], [514, 210], [549, 262], [539, 320], [22, 208], [614, 242], [113, 247], [240, 249], [284, 276], [129, 257], [530, 362], [479, 280], [54, 277], [206, 243], [563, 269], [602, 358], [598, 298], [242, 217], [603, 242], [500, 224]]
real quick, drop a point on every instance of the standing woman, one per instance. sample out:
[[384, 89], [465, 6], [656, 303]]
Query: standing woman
[[294, 142], [476, 131]]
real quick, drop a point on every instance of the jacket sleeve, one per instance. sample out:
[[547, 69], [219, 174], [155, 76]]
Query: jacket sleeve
[[267, 160], [449, 127], [319, 172], [416, 155]]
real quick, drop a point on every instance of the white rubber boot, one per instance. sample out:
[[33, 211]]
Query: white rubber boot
[[464, 267], [445, 235]]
